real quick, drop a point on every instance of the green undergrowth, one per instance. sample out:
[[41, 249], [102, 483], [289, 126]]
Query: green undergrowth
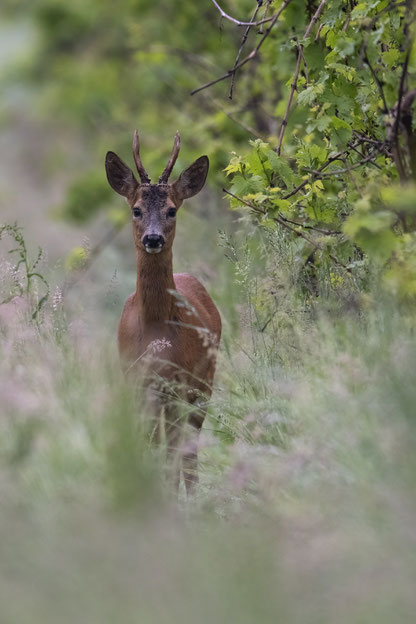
[[307, 469]]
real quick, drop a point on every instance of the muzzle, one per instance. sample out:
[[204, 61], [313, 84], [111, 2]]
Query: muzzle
[[153, 243]]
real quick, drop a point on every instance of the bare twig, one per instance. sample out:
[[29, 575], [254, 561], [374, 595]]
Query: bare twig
[[296, 76], [239, 22], [346, 23], [325, 174], [213, 82], [395, 137], [407, 122], [243, 41], [305, 67], [351, 175], [378, 83], [289, 103], [318, 34], [311, 227], [246, 203], [354, 149], [408, 99], [239, 122], [269, 320], [366, 139], [252, 54]]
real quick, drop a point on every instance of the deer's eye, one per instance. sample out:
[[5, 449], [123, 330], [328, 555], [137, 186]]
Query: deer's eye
[[137, 213], [171, 212]]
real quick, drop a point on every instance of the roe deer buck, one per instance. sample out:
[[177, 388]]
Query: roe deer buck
[[169, 310]]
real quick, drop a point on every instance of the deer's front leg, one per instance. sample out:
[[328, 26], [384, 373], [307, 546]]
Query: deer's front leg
[[173, 429], [190, 455]]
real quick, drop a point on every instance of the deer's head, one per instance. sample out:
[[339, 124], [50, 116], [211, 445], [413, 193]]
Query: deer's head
[[154, 206]]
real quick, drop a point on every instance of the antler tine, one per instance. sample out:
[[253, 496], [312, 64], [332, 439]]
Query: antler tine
[[171, 162], [136, 154]]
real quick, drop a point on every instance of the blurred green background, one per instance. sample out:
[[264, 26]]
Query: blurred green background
[[77, 79]]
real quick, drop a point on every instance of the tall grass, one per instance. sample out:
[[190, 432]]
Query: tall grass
[[306, 507]]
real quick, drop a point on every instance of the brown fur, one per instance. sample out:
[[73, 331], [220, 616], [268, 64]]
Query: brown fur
[[152, 313], [169, 307]]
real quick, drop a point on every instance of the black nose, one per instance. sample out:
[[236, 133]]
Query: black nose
[[153, 241]]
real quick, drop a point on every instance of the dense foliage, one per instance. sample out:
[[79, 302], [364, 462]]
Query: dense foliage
[[338, 176], [327, 97]]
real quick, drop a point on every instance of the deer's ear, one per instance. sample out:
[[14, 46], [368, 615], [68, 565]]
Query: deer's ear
[[191, 181], [119, 175]]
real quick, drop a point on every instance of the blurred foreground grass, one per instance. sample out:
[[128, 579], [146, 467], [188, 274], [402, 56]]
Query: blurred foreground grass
[[306, 507]]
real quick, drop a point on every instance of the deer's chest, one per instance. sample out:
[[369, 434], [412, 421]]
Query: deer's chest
[[175, 340]]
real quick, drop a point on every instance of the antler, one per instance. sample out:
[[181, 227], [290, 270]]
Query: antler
[[171, 162], [136, 154]]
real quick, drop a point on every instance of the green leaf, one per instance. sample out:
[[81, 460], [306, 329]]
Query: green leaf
[[344, 45], [234, 166], [391, 57], [322, 123], [307, 96], [76, 259], [283, 205], [342, 129], [283, 170], [331, 39], [245, 186], [318, 153]]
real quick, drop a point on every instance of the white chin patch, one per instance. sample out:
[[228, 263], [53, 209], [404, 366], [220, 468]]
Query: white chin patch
[[154, 250]]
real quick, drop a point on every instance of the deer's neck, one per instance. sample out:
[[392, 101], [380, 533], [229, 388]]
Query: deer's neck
[[154, 281]]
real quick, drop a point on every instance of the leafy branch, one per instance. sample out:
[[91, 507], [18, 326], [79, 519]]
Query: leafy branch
[[296, 76], [335, 172], [285, 223]]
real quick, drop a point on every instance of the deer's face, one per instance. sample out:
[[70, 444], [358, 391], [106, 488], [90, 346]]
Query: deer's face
[[154, 206], [154, 218]]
